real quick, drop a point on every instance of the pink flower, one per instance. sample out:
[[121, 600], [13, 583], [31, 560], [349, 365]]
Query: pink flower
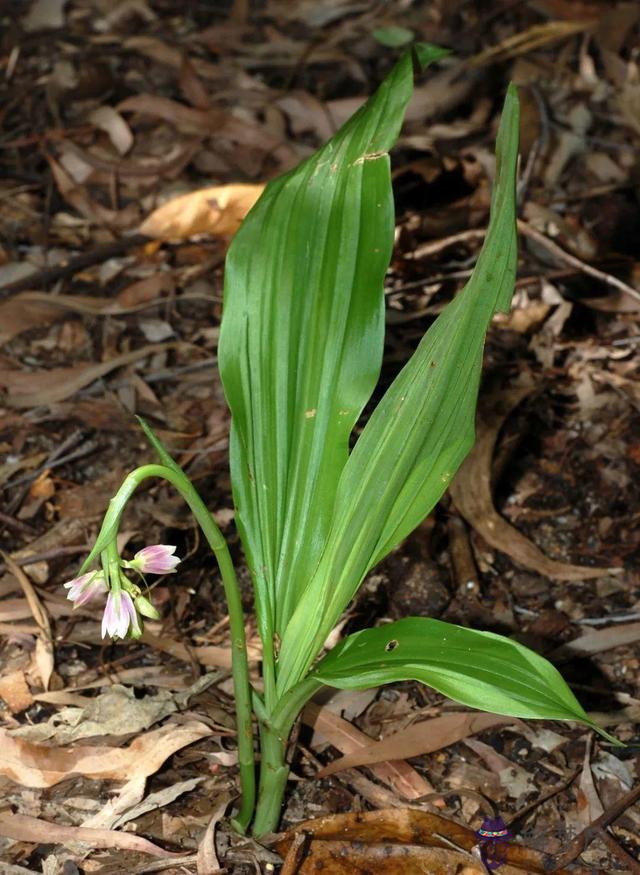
[[86, 587], [157, 559], [119, 614]]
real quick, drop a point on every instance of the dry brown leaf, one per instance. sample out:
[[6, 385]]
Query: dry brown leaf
[[197, 121], [44, 652], [34, 309], [78, 197], [15, 692], [207, 861], [192, 87], [208, 655], [218, 211], [395, 842], [306, 113], [471, 494], [31, 829], [21, 314], [38, 765], [172, 56], [588, 802], [148, 289], [418, 739], [397, 774], [598, 641], [347, 858], [46, 387]]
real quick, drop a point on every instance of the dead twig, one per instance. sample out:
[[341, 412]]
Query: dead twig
[[550, 793], [557, 251], [433, 247], [47, 275], [629, 862], [584, 839]]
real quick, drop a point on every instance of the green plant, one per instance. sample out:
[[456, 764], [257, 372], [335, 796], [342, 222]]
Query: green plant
[[300, 353]]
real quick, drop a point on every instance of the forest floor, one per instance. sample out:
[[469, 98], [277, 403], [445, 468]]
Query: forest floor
[[109, 309]]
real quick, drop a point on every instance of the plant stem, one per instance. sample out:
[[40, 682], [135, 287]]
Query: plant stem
[[239, 662], [274, 770]]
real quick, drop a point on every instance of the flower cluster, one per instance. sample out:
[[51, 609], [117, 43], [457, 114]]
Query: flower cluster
[[125, 605]]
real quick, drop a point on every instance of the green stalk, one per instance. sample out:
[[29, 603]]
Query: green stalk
[[274, 772], [239, 662], [274, 769]]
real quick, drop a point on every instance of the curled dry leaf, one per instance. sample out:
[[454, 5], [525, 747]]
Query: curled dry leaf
[[31, 829], [471, 493], [111, 122], [400, 842], [118, 806], [397, 774], [420, 738], [38, 765], [218, 211], [207, 859], [158, 799]]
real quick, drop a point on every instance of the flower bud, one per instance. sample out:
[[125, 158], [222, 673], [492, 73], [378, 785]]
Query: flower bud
[[144, 607], [85, 588], [156, 559]]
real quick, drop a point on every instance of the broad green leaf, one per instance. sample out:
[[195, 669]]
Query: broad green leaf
[[477, 669], [302, 337], [418, 435]]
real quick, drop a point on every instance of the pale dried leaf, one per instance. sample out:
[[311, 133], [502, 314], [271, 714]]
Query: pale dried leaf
[[397, 774], [31, 829], [217, 211], [418, 739], [599, 640], [158, 799], [113, 712], [589, 805], [125, 801], [207, 860], [44, 651], [47, 387], [37, 765], [111, 122]]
